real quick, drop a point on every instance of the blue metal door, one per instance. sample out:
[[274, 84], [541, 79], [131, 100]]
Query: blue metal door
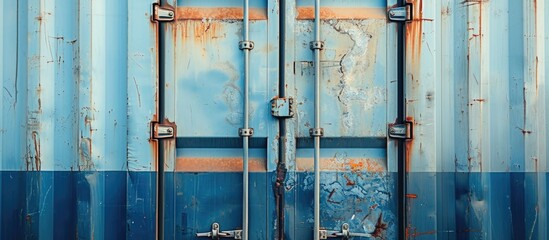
[[358, 88], [203, 72]]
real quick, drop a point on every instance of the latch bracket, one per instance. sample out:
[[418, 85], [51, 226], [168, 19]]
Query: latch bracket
[[282, 107], [344, 234], [401, 14], [162, 14], [403, 131], [217, 234], [162, 130]]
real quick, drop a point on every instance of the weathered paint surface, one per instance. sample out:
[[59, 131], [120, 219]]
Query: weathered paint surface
[[475, 88], [73, 164], [80, 87]]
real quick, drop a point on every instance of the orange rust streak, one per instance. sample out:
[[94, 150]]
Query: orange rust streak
[[410, 195], [353, 165], [220, 13], [307, 13], [154, 150], [409, 146], [414, 30], [415, 234], [232, 164]]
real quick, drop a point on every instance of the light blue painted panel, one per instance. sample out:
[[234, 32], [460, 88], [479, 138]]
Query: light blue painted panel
[[72, 119], [476, 88]]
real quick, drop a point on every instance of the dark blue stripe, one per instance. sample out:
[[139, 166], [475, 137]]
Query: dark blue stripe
[[460, 202]]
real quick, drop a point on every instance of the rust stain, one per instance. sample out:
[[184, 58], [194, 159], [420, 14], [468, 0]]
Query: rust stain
[[153, 143], [218, 13], [415, 233], [332, 164], [411, 195], [414, 30], [36, 141], [330, 197], [479, 100], [380, 227], [228, 164], [347, 13], [349, 181], [409, 147], [200, 32]]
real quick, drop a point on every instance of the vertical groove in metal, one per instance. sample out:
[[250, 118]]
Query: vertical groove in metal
[[401, 155], [317, 123], [245, 172], [160, 176]]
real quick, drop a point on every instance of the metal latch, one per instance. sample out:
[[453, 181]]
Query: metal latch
[[216, 234], [162, 14], [161, 131], [343, 234], [402, 131], [401, 14], [282, 107]]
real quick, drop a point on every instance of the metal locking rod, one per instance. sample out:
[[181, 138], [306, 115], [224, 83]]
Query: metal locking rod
[[316, 46], [246, 132]]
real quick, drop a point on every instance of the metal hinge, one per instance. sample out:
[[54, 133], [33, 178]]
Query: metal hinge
[[162, 130], [282, 107], [402, 131], [401, 14], [162, 14]]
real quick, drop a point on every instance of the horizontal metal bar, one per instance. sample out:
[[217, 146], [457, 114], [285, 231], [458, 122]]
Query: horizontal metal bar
[[218, 142], [344, 142]]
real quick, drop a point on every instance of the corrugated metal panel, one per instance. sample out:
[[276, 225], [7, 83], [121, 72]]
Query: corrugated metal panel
[[476, 89], [72, 162], [79, 88]]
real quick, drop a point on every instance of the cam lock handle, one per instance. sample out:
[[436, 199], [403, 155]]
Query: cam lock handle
[[217, 234], [343, 234]]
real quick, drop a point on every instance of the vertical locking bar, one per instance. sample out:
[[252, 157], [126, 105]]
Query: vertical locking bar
[[316, 46], [246, 46]]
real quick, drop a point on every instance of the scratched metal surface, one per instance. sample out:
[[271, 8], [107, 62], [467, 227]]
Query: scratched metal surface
[[357, 185], [73, 164], [79, 88], [476, 89]]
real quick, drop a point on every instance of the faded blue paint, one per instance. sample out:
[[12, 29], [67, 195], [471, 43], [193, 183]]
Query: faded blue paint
[[66, 138], [476, 88], [80, 87]]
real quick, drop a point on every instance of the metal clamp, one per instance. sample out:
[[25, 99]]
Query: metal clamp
[[245, 132], [248, 45], [162, 130], [343, 234], [402, 131], [401, 14], [317, 45], [217, 234], [316, 132], [162, 14]]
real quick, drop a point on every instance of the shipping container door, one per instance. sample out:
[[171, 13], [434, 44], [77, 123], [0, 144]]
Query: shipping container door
[[358, 84], [203, 94], [202, 71]]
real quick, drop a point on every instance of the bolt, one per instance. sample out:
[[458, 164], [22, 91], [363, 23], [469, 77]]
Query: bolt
[[169, 130], [170, 14]]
